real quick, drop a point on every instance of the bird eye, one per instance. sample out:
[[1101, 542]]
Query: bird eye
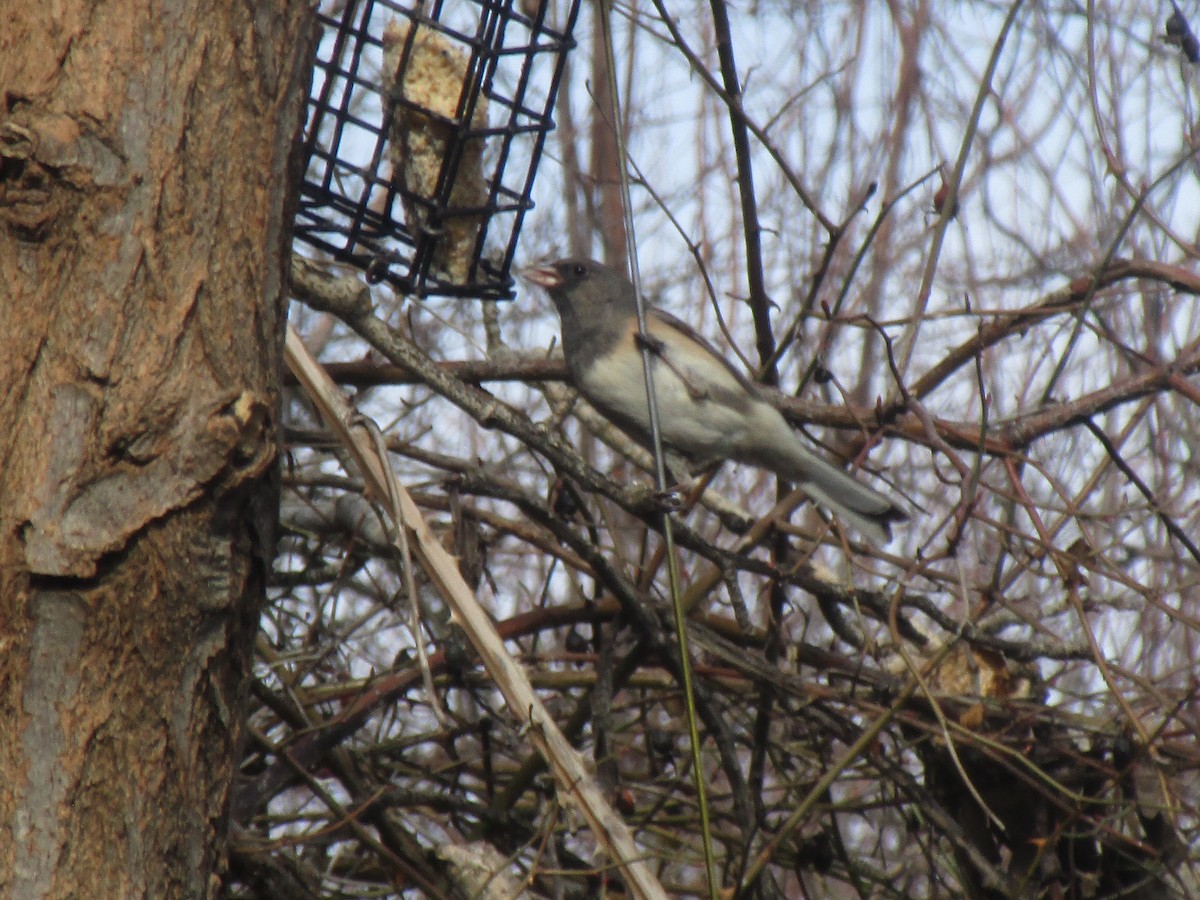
[[579, 269]]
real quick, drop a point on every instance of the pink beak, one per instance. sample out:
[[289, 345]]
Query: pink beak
[[543, 276]]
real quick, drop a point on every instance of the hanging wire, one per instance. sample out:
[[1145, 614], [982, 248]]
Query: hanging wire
[[660, 469]]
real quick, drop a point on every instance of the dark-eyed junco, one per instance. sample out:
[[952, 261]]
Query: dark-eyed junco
[[707, 410]]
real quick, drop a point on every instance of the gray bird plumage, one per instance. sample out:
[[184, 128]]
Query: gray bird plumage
[[708, 411]]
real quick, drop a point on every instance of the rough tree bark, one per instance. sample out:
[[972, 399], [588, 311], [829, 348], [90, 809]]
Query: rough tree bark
[[145, 208]]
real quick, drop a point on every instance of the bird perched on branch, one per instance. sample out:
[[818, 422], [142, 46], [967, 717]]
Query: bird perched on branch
[[707, 410]]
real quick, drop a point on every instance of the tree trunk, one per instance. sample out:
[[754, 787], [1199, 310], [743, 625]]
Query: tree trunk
[[145, 211]]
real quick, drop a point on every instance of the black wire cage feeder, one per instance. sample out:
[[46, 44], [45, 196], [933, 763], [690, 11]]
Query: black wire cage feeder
[[425, 127]]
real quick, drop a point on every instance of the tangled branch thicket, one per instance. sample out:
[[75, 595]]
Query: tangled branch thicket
[[1002, 702]]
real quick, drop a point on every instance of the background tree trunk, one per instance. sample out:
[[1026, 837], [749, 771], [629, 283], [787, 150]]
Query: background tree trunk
[[145, 210]]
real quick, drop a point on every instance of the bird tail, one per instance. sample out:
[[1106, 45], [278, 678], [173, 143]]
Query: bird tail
[[869, 511]]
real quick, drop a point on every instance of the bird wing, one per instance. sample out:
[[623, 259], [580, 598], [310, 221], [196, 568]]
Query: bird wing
[[675, 332], [702, 401], [758, 434]]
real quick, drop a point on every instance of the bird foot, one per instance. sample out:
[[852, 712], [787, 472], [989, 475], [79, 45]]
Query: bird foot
[[670, 500], [649, 500]]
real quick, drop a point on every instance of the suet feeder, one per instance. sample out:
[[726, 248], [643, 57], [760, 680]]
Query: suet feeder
[[425, 127]]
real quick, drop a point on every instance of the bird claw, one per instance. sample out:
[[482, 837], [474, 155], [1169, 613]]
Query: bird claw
[[647, 501], [669, 500]]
